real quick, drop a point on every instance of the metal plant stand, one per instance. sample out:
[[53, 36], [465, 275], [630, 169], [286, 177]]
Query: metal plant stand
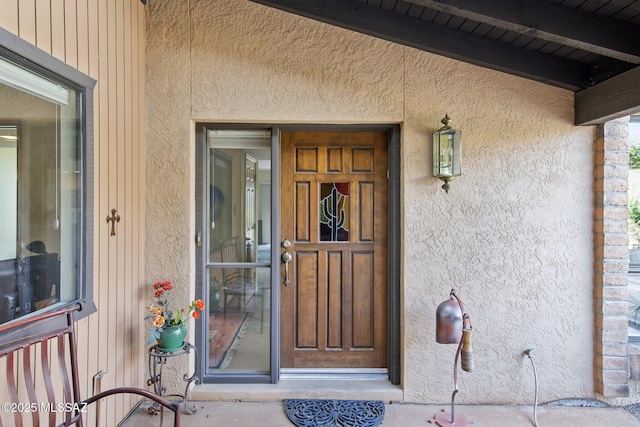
[[157, 359]]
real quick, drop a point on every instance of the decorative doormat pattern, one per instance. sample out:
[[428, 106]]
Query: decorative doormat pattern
[[634, 410], [224, 330], [334, 413]]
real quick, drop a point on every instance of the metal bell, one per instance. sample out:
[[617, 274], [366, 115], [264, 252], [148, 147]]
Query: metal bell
[[449, 322]]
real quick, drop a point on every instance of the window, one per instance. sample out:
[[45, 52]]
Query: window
[[44, 179]]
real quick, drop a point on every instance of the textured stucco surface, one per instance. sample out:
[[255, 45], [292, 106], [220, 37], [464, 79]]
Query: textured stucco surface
[[514, 235]]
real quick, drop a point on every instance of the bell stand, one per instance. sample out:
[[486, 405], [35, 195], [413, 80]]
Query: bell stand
[[446, 419]]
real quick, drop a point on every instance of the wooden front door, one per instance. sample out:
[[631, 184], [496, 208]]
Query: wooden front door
[[334, 213]]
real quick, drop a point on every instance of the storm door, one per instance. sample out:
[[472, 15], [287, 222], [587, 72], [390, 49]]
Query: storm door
[[334, 227], [235, 254]]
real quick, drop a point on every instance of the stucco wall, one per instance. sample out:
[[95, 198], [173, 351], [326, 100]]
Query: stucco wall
[[514, 235]]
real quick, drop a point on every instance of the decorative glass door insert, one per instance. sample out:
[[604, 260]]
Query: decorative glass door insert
[[334, 212]]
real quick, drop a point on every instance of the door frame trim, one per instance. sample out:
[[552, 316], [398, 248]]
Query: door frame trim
[[394, 236], [394, 240], [394, 160]]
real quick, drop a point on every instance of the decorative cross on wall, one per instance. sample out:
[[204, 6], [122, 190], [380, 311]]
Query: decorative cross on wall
[[113, 219]]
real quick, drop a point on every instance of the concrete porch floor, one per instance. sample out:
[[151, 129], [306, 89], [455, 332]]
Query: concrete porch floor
[[258, 405], [271, 414]]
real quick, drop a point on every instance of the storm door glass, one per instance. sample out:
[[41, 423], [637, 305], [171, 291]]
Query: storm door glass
[[238, 266]]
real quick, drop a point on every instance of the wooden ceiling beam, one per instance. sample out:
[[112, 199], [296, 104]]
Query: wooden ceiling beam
[[550, 21], [438, 39], [616, 97]]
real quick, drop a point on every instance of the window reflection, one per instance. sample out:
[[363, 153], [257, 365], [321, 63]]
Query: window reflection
[[239, 212], [239, 325], [40, 190]]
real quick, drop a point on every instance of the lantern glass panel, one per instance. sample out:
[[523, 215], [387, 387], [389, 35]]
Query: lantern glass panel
[[446, 153]]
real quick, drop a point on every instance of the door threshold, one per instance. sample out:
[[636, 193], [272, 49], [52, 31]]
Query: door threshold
[[300, 389], [378, 374]]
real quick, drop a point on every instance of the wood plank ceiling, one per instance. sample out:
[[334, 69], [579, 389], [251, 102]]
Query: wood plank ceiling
[[591, 47]]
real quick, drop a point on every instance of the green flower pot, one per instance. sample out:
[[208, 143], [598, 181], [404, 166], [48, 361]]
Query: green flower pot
[[172, 338]]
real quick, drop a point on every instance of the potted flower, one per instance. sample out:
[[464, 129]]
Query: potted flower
[[219, 284], [169, 326]]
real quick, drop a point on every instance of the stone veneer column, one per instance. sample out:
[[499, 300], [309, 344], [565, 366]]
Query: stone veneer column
[[611, 259]]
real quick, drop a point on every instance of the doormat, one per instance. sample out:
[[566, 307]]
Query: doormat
[[224, 329], [334, 413]]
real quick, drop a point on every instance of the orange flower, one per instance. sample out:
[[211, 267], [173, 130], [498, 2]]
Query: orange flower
[[158, 321], [195, 315], [200, 304]]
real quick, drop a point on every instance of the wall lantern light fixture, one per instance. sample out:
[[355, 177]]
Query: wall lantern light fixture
[[447, 153]]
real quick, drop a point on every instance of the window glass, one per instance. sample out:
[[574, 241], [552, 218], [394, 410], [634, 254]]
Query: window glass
[[41, 190]]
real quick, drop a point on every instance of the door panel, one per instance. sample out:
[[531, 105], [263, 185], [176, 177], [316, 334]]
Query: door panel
[[303, 200], [334, 211]]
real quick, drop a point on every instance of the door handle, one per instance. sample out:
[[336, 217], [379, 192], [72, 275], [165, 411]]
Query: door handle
[[286, 257]]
